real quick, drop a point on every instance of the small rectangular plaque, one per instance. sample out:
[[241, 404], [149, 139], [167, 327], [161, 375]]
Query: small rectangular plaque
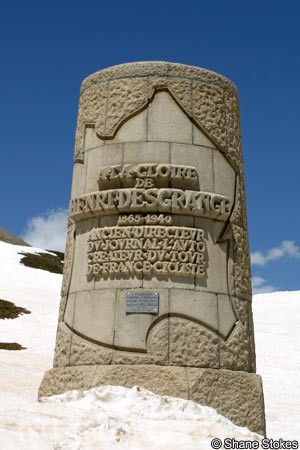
[[142, 302]]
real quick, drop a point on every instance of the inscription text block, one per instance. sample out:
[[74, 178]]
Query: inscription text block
[[142, 302]]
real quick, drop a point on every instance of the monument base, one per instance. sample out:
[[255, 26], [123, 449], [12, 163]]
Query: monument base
[[236, 395]]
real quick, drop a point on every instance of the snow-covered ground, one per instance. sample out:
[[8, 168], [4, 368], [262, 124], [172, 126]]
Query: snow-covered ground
[[277, 339], [111, 417]]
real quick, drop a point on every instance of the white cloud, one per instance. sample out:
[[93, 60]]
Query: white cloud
[[47, 230], [285, 249], [259, 286], [257, 281]]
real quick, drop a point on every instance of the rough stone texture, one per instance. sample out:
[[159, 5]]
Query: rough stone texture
[[181, 90], [90, 110], [198, 74], [252, 367], [130, 88], [239, 215], [67, 264], [58, 380], [171, 341], [62, 346], [241, 264], [121, 357], [158, 379], [125, 98], [192, 345], [84, 352], [238, 351], [156, 69], [158, 341], [233, 144], [236, 395], [209, 111]]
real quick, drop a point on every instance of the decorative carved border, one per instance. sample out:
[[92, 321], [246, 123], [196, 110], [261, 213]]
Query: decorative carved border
[[112, 96]]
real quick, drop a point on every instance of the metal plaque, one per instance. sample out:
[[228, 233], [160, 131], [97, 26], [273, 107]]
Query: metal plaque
[[142, 302]]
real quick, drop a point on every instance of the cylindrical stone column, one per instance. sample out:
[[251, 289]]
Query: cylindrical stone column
[[157, 284]]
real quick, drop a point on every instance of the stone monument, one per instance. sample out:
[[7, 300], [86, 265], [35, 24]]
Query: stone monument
[[157, 284]]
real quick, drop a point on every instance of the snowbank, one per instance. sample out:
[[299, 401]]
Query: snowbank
[[111, 417]]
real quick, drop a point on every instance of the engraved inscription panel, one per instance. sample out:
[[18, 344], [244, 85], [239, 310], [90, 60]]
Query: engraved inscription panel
[[152, 250], [153, 188], [176, 201], [147, 175], [145, 242], [142, 302]]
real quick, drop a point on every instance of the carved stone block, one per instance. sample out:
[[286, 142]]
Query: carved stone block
[[157, 284]]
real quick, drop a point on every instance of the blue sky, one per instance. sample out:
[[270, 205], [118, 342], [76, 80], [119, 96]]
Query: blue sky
[[47, 48]]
